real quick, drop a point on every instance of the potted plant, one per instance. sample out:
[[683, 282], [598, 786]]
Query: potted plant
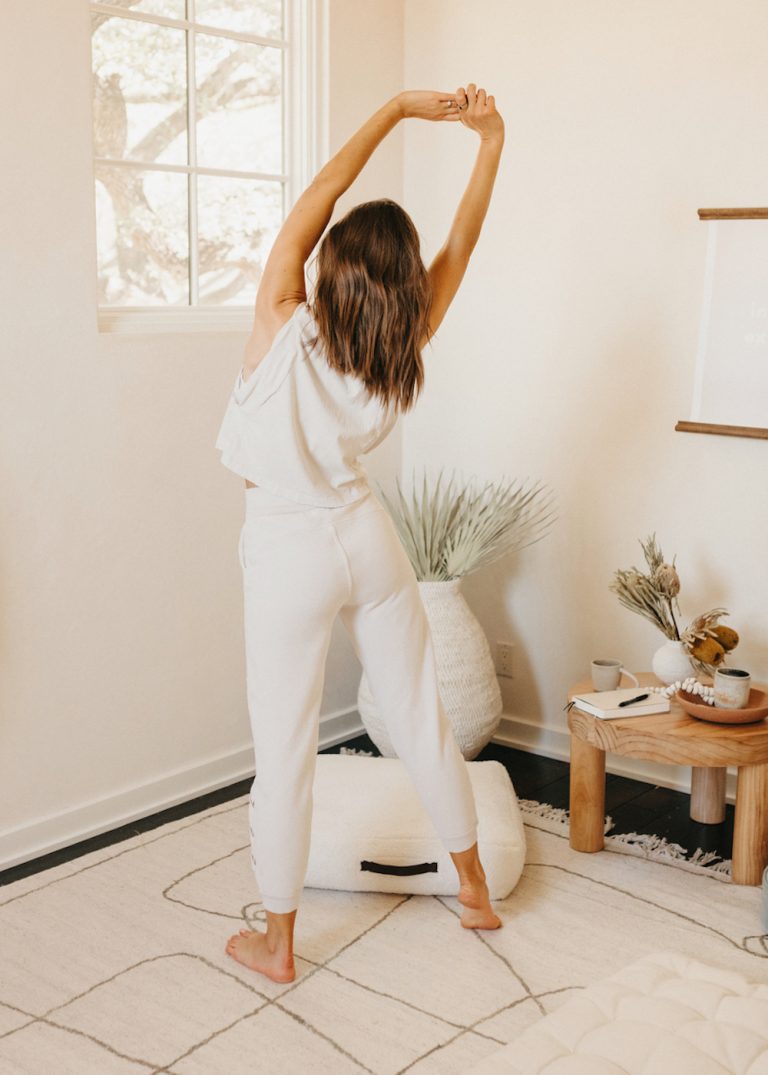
[[653, 594], [449, 532]]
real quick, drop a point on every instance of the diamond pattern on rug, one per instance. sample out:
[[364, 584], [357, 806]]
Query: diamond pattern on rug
[[153, 1011], [422, 955], [41, 1047], [270, 1041], [466, 1050], [513, 1019], [396, 1033]]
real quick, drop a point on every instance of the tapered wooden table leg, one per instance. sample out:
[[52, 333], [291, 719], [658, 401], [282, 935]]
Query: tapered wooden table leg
[[587, 796], [708, 794], [750, 829]]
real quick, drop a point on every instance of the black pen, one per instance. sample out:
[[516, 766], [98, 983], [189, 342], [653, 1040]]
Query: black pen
[[631, 701]]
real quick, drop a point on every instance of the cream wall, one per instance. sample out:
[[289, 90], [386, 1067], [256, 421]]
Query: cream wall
[[122, 682], [569, 352]]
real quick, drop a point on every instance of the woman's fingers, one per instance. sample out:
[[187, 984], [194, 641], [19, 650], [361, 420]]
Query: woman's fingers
[[466, 103]]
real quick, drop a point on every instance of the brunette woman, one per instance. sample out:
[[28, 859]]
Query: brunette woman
[[322, 383]]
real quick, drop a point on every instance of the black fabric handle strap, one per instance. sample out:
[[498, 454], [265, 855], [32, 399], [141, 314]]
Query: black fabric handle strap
[[403, 871]]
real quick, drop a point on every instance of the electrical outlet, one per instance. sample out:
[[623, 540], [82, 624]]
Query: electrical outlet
[[504, 658]]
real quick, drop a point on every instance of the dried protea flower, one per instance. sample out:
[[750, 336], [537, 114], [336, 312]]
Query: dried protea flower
[[726, 636], [666, 580], [708, 651], [698, 626], [703, 627]]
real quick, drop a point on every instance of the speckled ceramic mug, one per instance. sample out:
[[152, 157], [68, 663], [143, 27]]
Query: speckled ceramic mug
[[607, 673], [732, 686]]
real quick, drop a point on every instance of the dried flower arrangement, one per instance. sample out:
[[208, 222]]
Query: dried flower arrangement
[[654, 596]]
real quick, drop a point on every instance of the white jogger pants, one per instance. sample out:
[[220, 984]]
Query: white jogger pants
[[302, 566]]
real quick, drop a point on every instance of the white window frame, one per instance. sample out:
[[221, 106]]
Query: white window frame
[[305, 148]]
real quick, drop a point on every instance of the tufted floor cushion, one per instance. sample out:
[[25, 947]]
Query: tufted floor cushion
[[664, 1014], [371, 833]]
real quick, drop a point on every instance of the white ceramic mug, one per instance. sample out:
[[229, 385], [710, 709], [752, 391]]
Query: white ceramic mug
[[732, 686], [607, 672]]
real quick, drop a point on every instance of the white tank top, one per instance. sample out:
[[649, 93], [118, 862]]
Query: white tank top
[[297, 426]]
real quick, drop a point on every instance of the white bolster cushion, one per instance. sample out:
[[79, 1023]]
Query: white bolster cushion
[[371, 832]]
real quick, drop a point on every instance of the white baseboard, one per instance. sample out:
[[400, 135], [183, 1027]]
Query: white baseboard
[[44, 835], [554, 743]]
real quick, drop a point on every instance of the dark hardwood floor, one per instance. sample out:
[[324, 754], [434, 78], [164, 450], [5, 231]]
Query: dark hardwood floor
[[634, 807]]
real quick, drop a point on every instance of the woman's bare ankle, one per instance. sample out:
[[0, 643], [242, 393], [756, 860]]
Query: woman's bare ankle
[[279, 946], [469, 867], [279, 933]]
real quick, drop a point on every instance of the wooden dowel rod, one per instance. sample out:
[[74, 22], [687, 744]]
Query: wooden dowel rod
[[733, 214], [727, 431]]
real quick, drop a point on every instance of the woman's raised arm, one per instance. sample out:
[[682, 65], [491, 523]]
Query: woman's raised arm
[[282, 284], [478, 112]]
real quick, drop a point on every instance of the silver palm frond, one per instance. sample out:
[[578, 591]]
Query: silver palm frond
[[451, 531]]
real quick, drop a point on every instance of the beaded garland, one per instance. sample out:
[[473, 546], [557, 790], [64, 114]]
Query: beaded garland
[[689, 686]]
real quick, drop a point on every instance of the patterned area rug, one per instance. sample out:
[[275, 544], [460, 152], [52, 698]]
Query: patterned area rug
[[115, 962]]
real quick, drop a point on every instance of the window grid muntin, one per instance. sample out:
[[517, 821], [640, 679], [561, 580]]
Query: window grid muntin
[[191, 27]]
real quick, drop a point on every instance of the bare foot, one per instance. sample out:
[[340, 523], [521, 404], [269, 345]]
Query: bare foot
[[477, 913], [249, 947]]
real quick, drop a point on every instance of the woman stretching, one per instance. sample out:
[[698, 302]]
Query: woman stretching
[[322, 384]]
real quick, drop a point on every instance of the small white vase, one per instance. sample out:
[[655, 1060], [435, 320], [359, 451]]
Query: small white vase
[[466, 674], [671, 662]]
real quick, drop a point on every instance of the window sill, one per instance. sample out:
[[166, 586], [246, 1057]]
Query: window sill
[[160, 320]]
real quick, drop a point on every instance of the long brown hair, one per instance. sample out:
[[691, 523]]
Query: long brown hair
[[372, 300]]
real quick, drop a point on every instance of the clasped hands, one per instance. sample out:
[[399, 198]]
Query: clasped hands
[[470, 106]]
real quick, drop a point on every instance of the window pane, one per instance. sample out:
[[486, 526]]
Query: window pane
[[139, 91], [172, 9], [261, 17], [142, 236], [238, 105], [238, 220]]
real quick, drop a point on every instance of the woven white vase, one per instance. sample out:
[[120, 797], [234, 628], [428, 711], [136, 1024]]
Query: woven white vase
[[466, 675]]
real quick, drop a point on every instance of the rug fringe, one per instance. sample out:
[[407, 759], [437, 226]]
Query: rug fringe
[[556, 814], [645, 845]]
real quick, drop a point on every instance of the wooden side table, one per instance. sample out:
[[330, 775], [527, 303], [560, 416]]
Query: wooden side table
[[677, 739]]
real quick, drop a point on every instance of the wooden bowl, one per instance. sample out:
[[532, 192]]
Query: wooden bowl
[[756, 710]]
